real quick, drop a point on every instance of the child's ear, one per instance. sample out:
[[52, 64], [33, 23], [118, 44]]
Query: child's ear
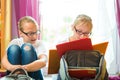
[[72, 27], [20, 33]]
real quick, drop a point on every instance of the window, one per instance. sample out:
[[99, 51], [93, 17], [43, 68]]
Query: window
[[57, 16]]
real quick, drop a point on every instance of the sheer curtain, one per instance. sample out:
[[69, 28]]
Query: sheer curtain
[[22, 8], [106, 30], [117, 8]]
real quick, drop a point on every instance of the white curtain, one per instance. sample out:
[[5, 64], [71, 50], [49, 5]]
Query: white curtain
[[106, 30]]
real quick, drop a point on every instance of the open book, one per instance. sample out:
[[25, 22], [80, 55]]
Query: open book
[[54, 54]]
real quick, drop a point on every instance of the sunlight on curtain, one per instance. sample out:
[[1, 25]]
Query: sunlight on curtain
[[117, 8], [107, 31], [58, 15]]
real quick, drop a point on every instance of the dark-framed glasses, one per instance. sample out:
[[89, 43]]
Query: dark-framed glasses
[[31, 33], [82, 33]]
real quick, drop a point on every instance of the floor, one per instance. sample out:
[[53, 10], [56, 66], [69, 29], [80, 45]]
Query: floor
[[48, 78]]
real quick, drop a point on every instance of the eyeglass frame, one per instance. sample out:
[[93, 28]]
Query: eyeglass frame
[[31, 33], [81, 33]]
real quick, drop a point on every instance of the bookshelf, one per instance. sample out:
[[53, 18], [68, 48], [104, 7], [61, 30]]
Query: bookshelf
[[5, 26]]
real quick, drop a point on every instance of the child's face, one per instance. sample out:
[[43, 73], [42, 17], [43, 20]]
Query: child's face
[[82, 31], [29, 32]]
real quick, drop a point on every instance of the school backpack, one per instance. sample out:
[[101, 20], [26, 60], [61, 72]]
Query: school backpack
[[82, 65]]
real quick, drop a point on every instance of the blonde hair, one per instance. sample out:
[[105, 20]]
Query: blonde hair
[[83, 19], [26, 19]]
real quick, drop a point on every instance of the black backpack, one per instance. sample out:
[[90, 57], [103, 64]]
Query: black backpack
[[89, 60]]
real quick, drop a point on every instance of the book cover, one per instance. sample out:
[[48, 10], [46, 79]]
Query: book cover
[[101, 47], [82, 73], [82, 44], [53, 62]]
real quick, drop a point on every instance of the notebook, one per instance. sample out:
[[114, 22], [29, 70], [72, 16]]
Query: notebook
[[82, 44]]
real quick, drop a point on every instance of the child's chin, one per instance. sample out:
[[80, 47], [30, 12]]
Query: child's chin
[[32, 42]]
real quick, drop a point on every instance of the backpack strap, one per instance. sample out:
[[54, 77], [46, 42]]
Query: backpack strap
[[104, 73], [98, 76], [63, 71]]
